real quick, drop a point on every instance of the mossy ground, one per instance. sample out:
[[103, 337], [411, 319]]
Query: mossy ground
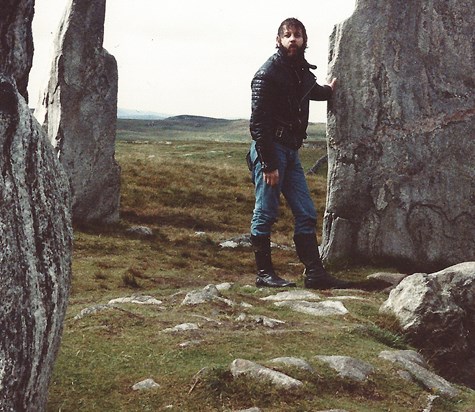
[[179, 185]]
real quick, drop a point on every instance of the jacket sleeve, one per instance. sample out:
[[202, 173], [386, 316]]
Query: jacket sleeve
[[321, 93], [262, 126]]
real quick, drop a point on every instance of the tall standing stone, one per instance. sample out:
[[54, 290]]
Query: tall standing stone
[[35, 254], [401, 134], [16, 45], [79, 111]]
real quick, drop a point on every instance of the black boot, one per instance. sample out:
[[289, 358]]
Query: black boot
[[265, 271], [316, 277]]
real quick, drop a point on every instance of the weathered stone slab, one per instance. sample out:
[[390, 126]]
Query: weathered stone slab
[[401, 134], [16, 47], [79, 111], [348, 367], [35, 254], [254, 370], [292, 295], [327, 308], [416, 369]]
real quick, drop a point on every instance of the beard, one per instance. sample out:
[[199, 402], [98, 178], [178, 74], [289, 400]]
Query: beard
[[298, 55]]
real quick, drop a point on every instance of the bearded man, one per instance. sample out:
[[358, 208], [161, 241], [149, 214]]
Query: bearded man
[[281, 92]]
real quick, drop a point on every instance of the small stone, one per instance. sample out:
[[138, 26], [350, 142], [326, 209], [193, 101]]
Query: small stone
[[224, 286], [141, 231], [91, 311], [182, 327], [145, 384], [196, 297]]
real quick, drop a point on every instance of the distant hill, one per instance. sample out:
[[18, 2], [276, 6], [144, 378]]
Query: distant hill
[[139, 114], [190, 127]]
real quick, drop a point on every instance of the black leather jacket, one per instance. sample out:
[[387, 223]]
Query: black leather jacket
[[281, 94]]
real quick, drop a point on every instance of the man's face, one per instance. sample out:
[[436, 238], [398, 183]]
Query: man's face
[[291, 40]]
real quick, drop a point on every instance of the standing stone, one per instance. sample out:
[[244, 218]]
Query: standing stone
[[79, 111], [401, 135], [16, 45], [35, 254]]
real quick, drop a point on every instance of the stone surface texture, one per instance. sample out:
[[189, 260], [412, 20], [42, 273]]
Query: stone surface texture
[[401, 135], [16, 46], [35, 254], [79, 111], [437, 312]]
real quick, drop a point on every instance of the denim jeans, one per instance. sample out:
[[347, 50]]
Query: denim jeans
[[292, 184]]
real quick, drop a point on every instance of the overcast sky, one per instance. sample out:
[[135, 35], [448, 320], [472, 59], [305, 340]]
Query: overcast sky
[[193, 57]]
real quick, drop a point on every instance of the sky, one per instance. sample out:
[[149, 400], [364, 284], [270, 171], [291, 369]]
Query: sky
[[192, 57]]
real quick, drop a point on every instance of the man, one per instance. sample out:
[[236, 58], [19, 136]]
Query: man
[[281, 92]]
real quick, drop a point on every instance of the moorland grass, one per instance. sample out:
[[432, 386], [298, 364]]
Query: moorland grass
[[193, 194]]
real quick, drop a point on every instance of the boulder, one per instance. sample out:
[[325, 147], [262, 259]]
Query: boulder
[[437, 312], [16, 47], [79, 112], [401, 131], [35, 254]]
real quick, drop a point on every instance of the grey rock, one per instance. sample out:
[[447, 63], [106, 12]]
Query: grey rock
[[327, 308], [262, 320], [401, 129], [222, 287], [145, 385], [196, 297], [255, 409], [137, 300], [293, 295], [35, 252], [333, 410], [190, 343], [391, 278], [183, 327], [437, 312], [239, 241], [141, 231], [92, 310], [292, 361], [16, 47], [79, 112], [428, 379], [247, 368], [348, 367], [403, 356]]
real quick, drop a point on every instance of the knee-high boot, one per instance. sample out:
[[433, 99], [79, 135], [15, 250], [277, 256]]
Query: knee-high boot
[[266, 275], [316, 277]]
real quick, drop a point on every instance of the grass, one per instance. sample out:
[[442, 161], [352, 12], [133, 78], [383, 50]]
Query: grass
[[193, 194]]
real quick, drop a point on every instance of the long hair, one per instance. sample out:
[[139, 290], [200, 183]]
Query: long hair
[[295, 24]]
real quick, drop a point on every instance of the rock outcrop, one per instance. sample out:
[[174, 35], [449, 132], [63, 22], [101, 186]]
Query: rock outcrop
[[79, 111], [16, 47], [401, 135], [35, 254], [437, 312]]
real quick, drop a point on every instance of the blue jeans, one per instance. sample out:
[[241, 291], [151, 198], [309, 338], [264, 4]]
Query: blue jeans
[[292, 184]]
